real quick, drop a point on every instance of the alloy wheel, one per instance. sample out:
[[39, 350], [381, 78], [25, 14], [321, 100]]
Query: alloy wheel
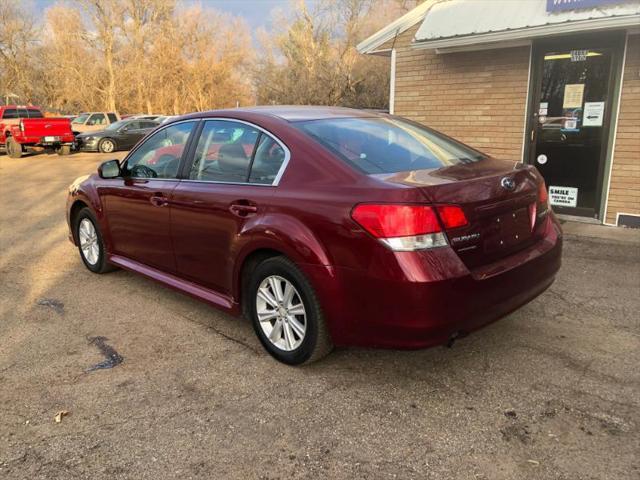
[[281, 313], [89, 241], [107, 146]]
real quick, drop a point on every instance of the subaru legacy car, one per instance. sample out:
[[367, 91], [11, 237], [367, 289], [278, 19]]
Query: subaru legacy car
[[324, 226]]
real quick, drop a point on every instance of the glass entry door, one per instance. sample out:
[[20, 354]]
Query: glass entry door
[[570, 117]]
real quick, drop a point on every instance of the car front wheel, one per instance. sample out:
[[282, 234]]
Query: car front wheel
[[90, 242], [286, 313]]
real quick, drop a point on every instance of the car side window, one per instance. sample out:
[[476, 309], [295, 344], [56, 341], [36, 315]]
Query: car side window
[[148, 124], [22, 113], [159, 155], [224, 151], [34, 113], [97, 119], [267, 161], [10, 113], [133, 126], [112, 117]]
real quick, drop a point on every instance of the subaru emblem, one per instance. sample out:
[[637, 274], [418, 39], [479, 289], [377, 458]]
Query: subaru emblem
[[508, 183]]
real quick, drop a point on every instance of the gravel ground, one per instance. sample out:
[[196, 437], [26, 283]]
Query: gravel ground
[[551, 391]]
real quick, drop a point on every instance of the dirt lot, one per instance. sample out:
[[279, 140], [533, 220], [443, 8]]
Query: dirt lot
[[552, 391]]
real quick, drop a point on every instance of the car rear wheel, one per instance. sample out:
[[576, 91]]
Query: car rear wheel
[[14, 149], [90, 242], [106, 145], [286, 313], [63, 150]]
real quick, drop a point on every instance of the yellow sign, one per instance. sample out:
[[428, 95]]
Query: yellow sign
[[573, 93]]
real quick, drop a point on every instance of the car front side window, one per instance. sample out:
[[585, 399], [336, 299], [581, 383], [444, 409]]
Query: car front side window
[[97, 119], [159, 156]]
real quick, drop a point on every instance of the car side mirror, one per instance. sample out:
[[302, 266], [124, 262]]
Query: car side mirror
[[109, 169], [123, 129]]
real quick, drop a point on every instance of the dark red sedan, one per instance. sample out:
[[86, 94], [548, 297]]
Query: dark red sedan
[[325, 226]]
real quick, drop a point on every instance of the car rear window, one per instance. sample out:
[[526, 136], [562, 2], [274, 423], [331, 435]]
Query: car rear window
[[33, 113], [10, 113], [387, 145]]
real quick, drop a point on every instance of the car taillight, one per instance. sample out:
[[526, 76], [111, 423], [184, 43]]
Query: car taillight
[[401, 227], [21, 126], [452, 216], [543, 196]]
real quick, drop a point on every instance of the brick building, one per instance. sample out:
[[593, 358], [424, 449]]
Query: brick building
[[553, 83]]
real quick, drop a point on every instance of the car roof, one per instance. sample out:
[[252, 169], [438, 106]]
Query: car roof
[[293, 113]]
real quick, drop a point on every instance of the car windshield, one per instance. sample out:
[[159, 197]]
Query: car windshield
[[387, 145], [117, 125], [81, 118]]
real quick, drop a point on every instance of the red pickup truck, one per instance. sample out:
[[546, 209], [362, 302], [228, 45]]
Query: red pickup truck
[[25, 129]]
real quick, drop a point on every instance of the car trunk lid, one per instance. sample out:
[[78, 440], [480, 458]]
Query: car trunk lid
[[499, 200]]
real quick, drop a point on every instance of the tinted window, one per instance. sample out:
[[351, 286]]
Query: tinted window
[[112, 117], [22, 113], [387, 145], [148, 124], [133, 125], [80, 119], [267, 161], [117, 125], [159, 156], [97, 119], [224, 152], [10, 113], [35, 113]]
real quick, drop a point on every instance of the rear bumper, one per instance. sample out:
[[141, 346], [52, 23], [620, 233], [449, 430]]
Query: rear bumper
[[46, 141], [426, 297]]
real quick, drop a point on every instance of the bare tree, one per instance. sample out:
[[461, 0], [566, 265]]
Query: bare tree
[[161, 56], [314, 61], [18, 43], [107, 19]]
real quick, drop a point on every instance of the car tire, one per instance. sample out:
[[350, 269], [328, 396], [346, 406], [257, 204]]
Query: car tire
[[107, 145], [90, 242], [63, 150], [289, 323], [14, 149]]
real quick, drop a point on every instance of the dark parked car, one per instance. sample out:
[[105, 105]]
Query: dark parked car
[[325, 226], [121, 135]]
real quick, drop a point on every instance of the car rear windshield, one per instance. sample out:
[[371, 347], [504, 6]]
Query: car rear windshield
[[22, 113], [387, 145]]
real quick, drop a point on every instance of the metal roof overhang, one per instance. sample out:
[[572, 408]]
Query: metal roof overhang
[[456, 25]]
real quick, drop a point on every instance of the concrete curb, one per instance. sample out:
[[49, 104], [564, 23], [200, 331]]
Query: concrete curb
[[601, 232]]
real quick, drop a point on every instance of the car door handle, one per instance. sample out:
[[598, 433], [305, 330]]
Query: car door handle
[[242, 210], [159, 200]]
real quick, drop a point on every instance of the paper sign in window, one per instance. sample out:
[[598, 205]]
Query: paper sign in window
[[563, 196], [593, 114], [573, 93]]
